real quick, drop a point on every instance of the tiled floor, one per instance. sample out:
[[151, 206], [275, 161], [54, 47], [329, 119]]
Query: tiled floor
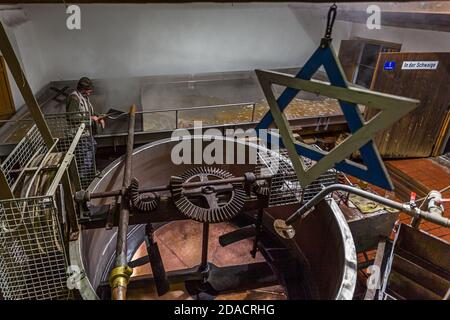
[[180, 247]]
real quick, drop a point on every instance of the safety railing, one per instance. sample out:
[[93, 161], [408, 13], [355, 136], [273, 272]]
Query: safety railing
[[171, 119], [63, 126], [33, 261], [38, 216]]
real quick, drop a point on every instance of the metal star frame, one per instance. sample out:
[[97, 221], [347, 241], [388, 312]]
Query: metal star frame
[[391, 109]]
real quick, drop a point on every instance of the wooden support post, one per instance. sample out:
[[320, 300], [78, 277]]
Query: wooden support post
[[24, 87], [5, 190]]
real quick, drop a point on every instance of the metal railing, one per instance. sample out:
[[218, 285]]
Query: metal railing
[[159, 124], [63, 126], [172, 119], [176, 118], [174, 115], [285, 188], [32, 254], [33, 259]]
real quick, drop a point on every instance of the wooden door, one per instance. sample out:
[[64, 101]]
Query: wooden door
[[416, 134], [6, 101]]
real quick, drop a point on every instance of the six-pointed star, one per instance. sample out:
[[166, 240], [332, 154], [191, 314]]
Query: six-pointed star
[[391, 109]]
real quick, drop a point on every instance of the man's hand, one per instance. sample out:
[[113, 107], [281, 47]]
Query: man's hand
[[99, 120]]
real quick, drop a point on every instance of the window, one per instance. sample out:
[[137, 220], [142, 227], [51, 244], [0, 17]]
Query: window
[[359, 58], [368, 60]]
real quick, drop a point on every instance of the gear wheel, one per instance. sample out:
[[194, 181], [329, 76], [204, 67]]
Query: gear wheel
[[147, 202], [261, 187], [212, 204]]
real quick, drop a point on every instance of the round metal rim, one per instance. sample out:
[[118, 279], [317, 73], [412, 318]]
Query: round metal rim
[[348, 282]]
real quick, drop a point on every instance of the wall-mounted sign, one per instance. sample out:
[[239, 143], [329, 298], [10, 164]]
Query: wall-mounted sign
[[389, 65], [420, 65]]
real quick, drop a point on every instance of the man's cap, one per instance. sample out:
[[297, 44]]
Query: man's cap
[[84, 84]]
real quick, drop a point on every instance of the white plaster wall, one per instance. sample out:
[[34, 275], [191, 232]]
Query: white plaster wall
[[138, 40], [30, 55], [25, 43], [141, 40]]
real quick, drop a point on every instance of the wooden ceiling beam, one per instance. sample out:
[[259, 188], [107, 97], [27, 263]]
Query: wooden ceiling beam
[[432, 15], [424, 21]]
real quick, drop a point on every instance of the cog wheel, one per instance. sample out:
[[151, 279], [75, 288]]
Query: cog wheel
[[261, 187], [147, 202], [213, 203]]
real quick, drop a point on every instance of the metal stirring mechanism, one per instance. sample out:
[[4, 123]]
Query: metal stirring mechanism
[[207, 195], [208, 203]]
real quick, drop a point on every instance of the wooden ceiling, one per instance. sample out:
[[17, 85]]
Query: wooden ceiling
[[430, 15]]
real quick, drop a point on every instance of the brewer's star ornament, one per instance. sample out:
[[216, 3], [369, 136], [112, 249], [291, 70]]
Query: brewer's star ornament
[[391, 109]]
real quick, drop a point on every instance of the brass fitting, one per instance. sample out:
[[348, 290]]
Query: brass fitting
[[120, 276]]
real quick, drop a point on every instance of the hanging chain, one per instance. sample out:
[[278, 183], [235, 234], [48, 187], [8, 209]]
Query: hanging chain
[[330, 21]]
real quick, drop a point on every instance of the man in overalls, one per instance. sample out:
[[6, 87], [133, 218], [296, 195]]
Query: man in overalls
[[79, 110]]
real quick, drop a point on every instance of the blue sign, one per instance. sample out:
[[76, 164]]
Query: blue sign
[[389, 65]]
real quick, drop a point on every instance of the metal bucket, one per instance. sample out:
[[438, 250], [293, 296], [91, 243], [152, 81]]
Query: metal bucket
[[323, 239]]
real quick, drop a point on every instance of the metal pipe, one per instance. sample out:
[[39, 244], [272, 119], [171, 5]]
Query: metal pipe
[[405, 207], [253, 112], [258, 229], [205, 237], [120, 275], [216, 106], [114, 193]]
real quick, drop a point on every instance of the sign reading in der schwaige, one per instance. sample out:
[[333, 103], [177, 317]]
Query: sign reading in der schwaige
[[420, 65]]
